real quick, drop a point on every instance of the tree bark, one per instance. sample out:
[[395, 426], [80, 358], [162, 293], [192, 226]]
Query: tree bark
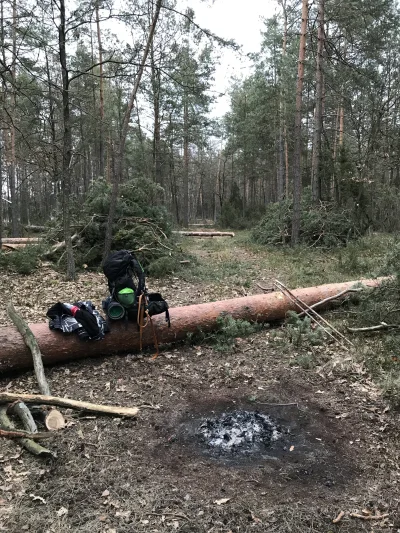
[[101, 89], [67, 145], [32, 344], [297, 183], [120, 151], [185, 216], [318, 118], [57, 347], [156, 87], [13, 175], [282, 170], [1, 191]]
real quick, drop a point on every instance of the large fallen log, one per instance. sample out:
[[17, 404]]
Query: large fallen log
[[57, 347], [13, 246], [205, 233], [20, 240]]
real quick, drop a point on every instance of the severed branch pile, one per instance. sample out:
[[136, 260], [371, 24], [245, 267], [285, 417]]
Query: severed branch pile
[[16, 403]]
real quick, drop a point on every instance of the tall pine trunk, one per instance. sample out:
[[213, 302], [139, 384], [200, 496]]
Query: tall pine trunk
[[282, 177], [101, 88], [13, 170], [120, 149], [185, 217], [156, 86], [318, 118], [297, 184], [67, 146]]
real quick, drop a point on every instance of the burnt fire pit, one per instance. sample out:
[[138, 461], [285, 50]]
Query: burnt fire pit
[[238, 432]]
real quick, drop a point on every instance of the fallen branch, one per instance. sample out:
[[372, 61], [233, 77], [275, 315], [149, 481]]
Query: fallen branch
[[28, 443], [205, 233], [278, 404], [379, 327], [12, 246], [60, 245], [265, 289], [20, 240], [369, 516], [338, 518], [17, 434], [22, 412], [8, 397], [326, 300], [30, 341]]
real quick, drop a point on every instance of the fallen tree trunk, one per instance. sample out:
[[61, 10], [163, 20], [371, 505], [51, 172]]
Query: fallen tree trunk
[[12, 246], [205, 233], [20, 240], [57, 347]]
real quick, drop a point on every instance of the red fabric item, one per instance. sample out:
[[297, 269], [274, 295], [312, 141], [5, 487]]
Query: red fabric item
[[74, 309]]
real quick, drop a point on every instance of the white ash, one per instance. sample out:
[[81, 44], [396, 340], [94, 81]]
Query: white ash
[[239, 431]]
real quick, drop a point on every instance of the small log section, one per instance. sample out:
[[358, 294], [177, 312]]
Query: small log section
[[57, 347], [205, 233]]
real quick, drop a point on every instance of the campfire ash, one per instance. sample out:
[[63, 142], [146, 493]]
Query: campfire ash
[[239, 432]]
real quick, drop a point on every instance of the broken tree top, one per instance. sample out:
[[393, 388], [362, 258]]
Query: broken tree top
[[124, 338]]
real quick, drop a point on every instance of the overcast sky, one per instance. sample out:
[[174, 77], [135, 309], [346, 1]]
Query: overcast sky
[[232, 19]]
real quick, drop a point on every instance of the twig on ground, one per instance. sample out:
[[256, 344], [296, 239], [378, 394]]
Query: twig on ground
[[149, 406], [369, 516], [18, 434], [177, 515], [338, 518], [266, 289], [278, 404], [380, 327]]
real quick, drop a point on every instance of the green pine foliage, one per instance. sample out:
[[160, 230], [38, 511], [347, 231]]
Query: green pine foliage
[[22, 261], [223, 337], [141, 224], [300, 331], [323, 224]]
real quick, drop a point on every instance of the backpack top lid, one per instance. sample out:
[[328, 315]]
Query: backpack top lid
[[117, 264], [123, 271]]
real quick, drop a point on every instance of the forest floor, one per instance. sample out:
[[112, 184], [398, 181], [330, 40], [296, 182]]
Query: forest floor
[[340, 447]]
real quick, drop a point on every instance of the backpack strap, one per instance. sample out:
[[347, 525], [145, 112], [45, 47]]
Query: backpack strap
[[142, 312]]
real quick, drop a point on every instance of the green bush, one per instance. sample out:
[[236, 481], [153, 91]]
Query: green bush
[[300, 331], [323, 224], [22, 261], [163, 266], [227, 330], [140, 224]]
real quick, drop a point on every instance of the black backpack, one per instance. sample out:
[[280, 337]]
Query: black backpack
[[124, 271]]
